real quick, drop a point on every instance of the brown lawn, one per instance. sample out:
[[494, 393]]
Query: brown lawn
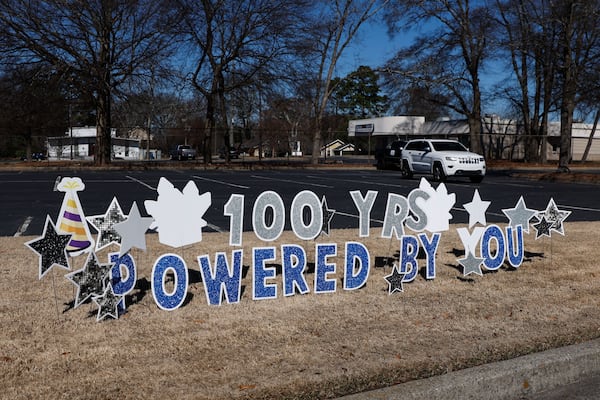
[[302, 346]]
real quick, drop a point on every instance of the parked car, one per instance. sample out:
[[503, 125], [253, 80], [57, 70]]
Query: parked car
[[233, 153], [391, 156], [35, 157], [183, 152], [441, 158]]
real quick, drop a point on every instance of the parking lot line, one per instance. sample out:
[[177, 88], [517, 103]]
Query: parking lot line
[[140, 182], [221, 182], [23, 227], [291, 181]]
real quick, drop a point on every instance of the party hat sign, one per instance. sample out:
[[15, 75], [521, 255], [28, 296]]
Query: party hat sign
[[71, 218]]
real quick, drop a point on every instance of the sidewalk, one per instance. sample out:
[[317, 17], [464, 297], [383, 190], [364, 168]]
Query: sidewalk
[[506, 380]]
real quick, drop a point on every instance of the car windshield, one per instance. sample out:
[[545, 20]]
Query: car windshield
[[448, 146], [185, 147]]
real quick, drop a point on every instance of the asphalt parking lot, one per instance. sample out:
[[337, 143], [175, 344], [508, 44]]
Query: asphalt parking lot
[[28, 196]]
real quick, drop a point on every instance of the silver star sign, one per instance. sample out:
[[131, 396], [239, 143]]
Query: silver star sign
[[133, 230]]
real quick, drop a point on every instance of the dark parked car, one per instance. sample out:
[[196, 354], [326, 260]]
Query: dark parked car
[[183, 152], [233, 153], [391, 156], [35, 157]]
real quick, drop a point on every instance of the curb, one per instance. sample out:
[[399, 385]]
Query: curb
[[504, 380]]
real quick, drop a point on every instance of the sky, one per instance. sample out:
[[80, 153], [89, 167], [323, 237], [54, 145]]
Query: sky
[[373, 47]]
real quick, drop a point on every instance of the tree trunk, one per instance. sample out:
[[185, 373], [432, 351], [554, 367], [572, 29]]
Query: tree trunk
[[566, 125], [103, 149], [474, 118], [588, 146], [316, 146]]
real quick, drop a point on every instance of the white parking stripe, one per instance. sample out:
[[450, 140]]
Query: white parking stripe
[[215, 228], [291, 181], [220, 182], [24, 226], [140, 182], [360, 182], [580, 208]]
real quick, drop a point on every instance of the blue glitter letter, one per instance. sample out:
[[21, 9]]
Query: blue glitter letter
[[322, 268], [492, 232], [122, 287], [430, 250], [515, 258], [356, 252], [294, 264], [409, 249], [260, 290], [169, 301], [224, 279]]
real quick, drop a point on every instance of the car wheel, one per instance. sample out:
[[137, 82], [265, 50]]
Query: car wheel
[[476, 179], [438, 173], [406, 172]]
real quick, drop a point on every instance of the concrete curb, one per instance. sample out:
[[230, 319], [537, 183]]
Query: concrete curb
[[504, 380]]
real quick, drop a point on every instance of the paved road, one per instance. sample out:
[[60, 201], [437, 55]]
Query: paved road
[[27, 197]]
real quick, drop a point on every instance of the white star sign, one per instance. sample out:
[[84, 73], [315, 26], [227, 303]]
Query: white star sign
[[133, 230], [476, 209]]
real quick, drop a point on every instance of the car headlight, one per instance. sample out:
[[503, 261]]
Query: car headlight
[[450, 158]]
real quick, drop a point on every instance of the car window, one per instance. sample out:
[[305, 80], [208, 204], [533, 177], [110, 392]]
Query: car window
[[412, 146], [448, 146]]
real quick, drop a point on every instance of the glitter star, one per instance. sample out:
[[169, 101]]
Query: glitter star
[[327, 216], [394, 280], [108, 304], [51, 247], [542, 228], [554, 216], [520, 215], [104, 224], [91, 279], [471, 264], [476, 209], [133, 230]]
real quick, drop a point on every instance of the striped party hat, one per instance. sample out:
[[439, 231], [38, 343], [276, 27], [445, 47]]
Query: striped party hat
[[71, 218]]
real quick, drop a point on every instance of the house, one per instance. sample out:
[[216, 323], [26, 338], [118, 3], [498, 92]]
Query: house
[[79, 142], [337, 148]]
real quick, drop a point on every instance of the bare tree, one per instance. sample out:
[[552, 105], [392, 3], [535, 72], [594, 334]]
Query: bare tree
[[530, 41], [579, 49], [330, 28], [449, 58], [234, 44], [97, 44]]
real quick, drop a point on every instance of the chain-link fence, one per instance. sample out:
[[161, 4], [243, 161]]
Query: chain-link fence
[[138, 143]]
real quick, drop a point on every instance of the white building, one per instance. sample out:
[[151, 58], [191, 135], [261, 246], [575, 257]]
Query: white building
[[501, 137], [385, 126], [78, 144]]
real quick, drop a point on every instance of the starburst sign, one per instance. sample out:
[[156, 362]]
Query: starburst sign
[[178, 215]]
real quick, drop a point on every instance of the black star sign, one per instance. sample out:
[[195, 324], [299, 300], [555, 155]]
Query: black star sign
[[91, 279], [51, 247], [394, 280]]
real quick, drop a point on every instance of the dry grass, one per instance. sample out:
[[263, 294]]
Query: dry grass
[[310, 346]]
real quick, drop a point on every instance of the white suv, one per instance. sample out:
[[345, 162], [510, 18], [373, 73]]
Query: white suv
[[441, 158]]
